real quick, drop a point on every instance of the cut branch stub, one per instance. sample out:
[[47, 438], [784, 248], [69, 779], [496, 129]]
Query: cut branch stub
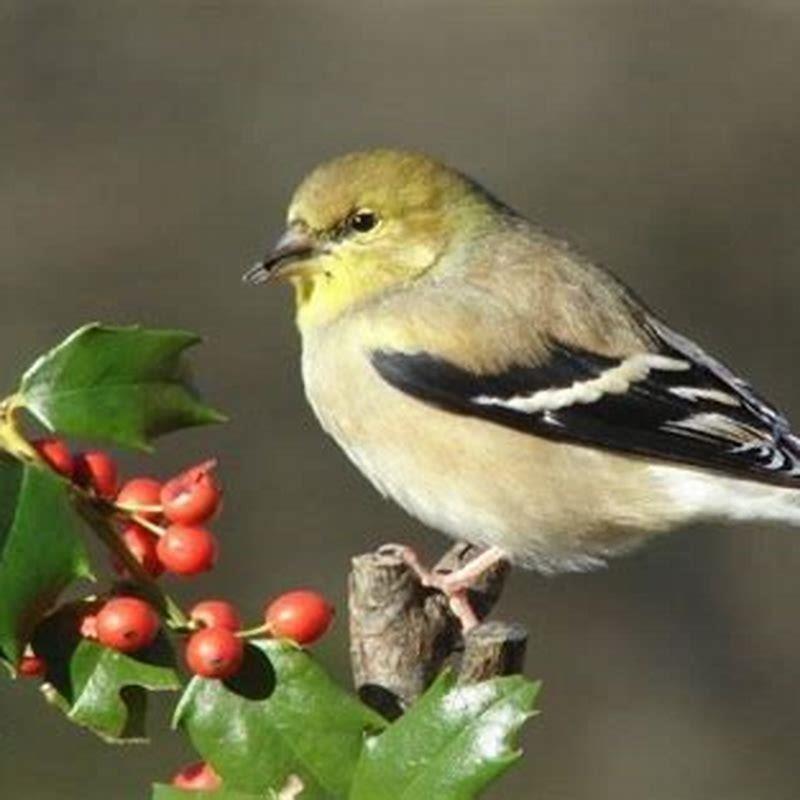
[[493, 649], [399, 632], [402, 633]]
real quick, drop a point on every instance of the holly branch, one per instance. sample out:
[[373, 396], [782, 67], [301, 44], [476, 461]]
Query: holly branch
[[265, 717]]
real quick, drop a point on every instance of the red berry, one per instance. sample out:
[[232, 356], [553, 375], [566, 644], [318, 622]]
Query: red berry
[[216, 614], [56, 453], [97, 470], [214, 653], [32, 667], [127, 624], [185, 550], [198, 776], [143, 547], [193, 496], [141, 492], [302, 615]]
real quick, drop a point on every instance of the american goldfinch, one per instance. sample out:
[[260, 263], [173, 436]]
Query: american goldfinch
[[502, 388]]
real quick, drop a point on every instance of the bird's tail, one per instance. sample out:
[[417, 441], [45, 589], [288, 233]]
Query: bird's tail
[[707, 496], [791, 506], [762, 503]]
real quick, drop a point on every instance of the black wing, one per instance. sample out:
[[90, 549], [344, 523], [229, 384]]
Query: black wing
[[675, 404]]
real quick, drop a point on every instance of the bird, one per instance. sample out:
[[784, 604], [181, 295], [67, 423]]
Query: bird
[[503, 388]]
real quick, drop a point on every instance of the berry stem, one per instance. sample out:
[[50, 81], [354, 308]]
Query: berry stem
[[251, 633], [101, 525], [138, 508], [146, 523]]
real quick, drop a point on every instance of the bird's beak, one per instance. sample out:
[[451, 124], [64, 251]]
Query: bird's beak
[[286, 259]]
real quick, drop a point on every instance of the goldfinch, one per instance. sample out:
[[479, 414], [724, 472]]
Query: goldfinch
[[502, 388]]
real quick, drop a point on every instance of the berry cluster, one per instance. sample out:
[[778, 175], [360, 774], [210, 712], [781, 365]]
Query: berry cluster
[[166, 530], [162, 521], [161, 525]]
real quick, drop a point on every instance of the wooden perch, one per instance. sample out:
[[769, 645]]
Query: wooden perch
[[491, 649], [403, 634]]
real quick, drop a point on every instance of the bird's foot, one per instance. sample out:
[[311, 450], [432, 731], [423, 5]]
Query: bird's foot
[[454, 585]]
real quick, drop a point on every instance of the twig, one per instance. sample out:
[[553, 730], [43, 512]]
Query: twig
[[100, 524], [96, 513]]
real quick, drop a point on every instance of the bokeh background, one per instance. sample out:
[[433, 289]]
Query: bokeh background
[[148, 150]]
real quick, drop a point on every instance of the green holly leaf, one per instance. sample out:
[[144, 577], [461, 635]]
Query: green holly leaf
[[451, 743], [282, 715], [163, 792], [123, 386], [41, 551], [99, 688]]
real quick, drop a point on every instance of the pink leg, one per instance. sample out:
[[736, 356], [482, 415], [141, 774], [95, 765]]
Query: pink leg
[[454, 584], [462, 610], [464, 578]]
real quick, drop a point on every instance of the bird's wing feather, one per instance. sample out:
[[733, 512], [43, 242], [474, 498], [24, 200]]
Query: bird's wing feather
[[674, 403]]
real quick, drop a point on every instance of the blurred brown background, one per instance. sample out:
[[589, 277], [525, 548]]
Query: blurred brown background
[[148, 150]]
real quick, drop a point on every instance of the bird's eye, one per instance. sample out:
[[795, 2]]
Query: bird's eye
[[362, 221]]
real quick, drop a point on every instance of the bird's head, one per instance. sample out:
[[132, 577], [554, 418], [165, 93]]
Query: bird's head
[[368, 223]]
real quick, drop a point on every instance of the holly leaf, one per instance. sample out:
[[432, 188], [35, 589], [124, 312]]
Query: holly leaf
[[123, 386], [281, 715], [41, 551], [451, 743], [99, 688], [163, 792]]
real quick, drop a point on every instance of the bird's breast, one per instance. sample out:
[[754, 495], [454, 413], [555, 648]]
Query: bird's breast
[[351, 402], [547, 503]]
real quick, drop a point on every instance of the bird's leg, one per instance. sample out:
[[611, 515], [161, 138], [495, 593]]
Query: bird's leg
[[466, 577], [462, 610], [454, 585]]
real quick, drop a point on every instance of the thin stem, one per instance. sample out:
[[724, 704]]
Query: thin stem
[[147, 524], [250, 633], [138, 508], [100, 524]]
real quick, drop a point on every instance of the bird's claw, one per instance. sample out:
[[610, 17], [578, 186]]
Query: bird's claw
[[450, 584]]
